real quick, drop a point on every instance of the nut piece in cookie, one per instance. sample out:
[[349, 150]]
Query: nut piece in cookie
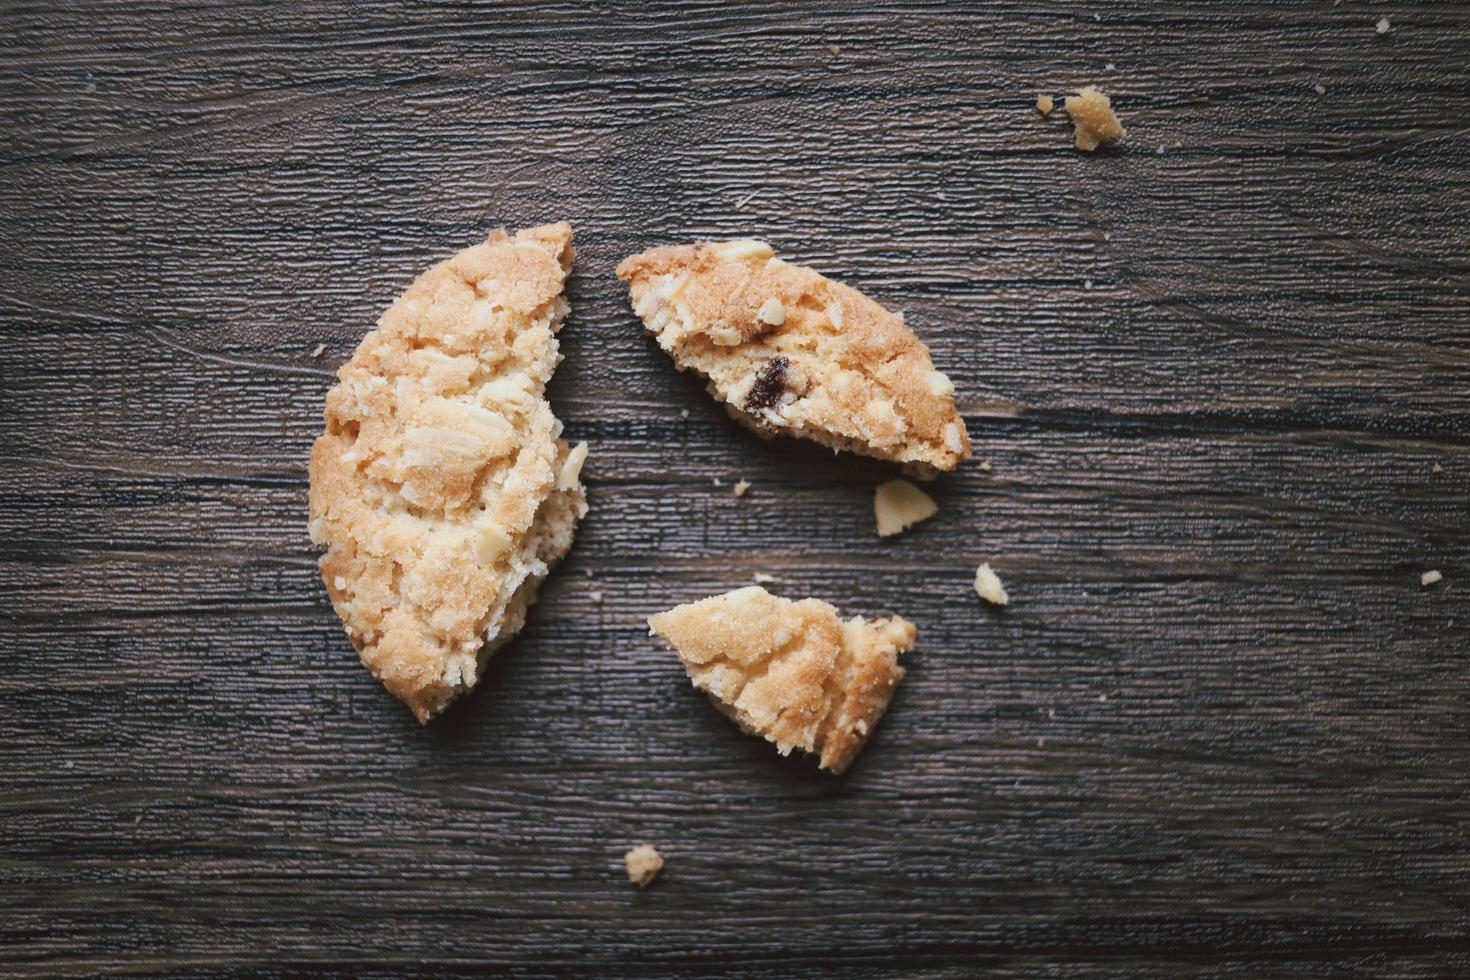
[[793, 673], [791, 352], [441, 489], [643, 862]]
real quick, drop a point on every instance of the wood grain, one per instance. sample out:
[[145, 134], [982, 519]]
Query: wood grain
[[1222, 373]]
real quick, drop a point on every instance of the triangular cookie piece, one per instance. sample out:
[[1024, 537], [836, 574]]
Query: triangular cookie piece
[[792, 672], [792, 352], [441, 488]]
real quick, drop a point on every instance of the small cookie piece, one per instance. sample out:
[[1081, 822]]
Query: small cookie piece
[[791, 352], [1044, 104], [441, 488], [1092, 114], [791, 672], [643, 862]]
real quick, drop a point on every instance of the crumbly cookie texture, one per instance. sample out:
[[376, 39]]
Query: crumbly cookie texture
[[792, 672], [441, 488], [643, 862], [792, 352], [1092, 114]]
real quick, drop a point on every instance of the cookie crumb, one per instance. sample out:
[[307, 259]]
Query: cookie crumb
[[741, 488], [587, 572], [318, 350], [1430, 578], [985, 467], [1436, 468], [1383, 25], [761, 578], [1045, 104], [596, 597], [718, 482], [989, 588], [1092, 113], [643, 862], [1320, 89], [834, 49], [683, 413], [898, 505]]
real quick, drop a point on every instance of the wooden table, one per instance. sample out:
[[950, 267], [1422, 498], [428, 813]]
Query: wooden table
[[1221, 374]]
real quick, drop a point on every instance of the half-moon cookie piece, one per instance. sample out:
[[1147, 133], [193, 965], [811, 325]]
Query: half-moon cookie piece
[[792, 352], [791, 672], [441, 488]]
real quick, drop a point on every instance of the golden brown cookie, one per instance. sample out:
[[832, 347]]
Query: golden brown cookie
[[441, 488], [792, 672], [792, 352]]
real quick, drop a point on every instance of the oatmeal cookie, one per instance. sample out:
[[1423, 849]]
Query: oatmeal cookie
[[792, 352], [441, 489], [792, 672]]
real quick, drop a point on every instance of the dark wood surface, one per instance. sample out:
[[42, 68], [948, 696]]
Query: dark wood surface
[[1222, 374]]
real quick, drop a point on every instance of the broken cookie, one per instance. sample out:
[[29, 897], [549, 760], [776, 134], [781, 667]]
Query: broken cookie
[[793, 673], [792, 352], [441, 489]]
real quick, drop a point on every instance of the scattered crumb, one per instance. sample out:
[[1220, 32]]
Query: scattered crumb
[[898, 504], [741, 487], [988, 587], [1110, 66], [1087, 284], [1044, 104], [643, 862], [683, 413], [1092, 112], [1160, 150], [1436, 468], [761, 578], [834, 49], [596, 597], [1429, 578], [985, 467], [1383, 25], [718, 482], [318, 350], [1103, 698], [587, 572], [1320, 89]]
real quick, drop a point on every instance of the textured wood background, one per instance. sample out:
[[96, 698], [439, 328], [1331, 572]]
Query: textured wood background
[[1221, 729]]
